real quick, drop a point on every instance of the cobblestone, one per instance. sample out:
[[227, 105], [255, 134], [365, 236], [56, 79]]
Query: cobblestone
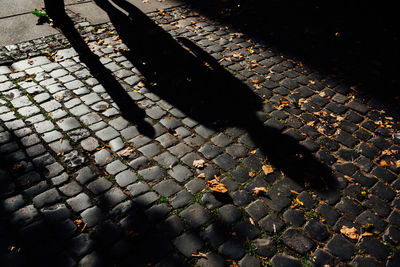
[[62, 136]]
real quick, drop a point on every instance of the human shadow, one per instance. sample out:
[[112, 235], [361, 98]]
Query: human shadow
[[354, 42], [131, 112], [192, 81]]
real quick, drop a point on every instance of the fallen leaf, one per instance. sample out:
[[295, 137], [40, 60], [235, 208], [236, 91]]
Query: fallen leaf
[[259, 190], [17, 166], [267, 169], [140, 84], [397, 162], [201, 175], [294, 192], [302, 101], [252, 221], [252, 174], [348, 178], [216, 186], [127, 152], [198, 163], [349, 232], [383, 163], [199, 255], [322, 94], [320, 129], [387, 152], [83, 227], [339, 118], [366, 234], [253, 151], [299, 201]]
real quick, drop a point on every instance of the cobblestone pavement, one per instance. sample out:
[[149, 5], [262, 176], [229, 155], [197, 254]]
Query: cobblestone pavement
[[81, 185]]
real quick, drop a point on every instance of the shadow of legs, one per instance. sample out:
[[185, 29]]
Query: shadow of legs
[[129, 110]]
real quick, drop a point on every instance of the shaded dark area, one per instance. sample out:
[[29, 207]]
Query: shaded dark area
[[355, 41], [55, 239], [197, 85]]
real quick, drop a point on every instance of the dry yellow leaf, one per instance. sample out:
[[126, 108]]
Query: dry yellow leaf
[[298, 201], [267, 169], [349, 232]]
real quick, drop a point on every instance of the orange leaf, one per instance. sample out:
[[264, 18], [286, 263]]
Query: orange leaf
[[387, 152], [259, 190], [383, 163], [397, 162], [252, 174], [216, 186], [267, 169], [367, 234], [294, 192]]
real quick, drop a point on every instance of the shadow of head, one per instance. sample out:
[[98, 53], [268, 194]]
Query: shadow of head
[[190, 79]]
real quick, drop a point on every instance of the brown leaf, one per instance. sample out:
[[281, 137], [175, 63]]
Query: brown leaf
[[201, 175], [216, 186], [17, 166], [267, 169], [198, 163], [259, 190], [199, 255], [127, 152], [349, 232]]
